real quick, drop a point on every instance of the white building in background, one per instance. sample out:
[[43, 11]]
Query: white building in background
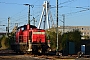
[[84, 29]]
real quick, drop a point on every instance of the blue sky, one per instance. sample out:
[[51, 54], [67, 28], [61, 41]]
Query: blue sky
[[18, 13]]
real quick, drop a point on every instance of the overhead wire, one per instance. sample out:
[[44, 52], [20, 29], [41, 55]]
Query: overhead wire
[[18, 12], [86, 8], [73, 7], [62, 3], [66, 2], [14, 17], [76, 12], [11, 3], [36, 10], [16, 4]]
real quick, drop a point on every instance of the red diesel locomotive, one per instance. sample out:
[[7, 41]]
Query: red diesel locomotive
[[29, 38]]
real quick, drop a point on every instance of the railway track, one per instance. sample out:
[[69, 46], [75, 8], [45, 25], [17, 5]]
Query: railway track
[[6, 54], [10, 55]]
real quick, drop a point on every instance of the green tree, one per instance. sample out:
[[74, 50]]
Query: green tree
[[52, 36], [73, 36], [0, 41], [5, 42]]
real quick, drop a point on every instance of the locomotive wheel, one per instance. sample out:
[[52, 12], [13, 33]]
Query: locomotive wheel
[[35, 49]]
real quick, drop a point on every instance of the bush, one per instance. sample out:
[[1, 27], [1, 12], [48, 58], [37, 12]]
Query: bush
[[4, 42]]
